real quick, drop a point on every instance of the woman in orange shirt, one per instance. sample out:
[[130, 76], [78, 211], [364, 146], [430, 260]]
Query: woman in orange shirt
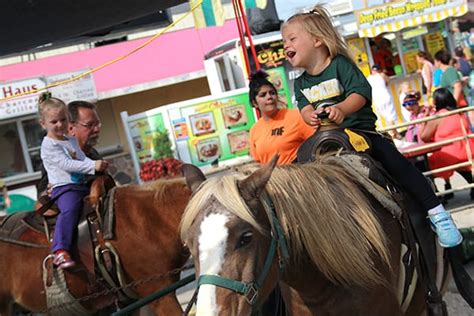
[[279, 130]]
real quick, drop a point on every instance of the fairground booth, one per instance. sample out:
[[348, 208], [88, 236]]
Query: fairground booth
[[392, 34]]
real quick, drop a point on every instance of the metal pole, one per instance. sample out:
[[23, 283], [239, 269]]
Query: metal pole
[[249, 35], [243, 43]]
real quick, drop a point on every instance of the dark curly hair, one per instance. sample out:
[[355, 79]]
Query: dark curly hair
[[444, 99], [258, 80]]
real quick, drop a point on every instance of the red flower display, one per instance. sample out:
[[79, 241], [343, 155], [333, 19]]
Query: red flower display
[[161, 168]]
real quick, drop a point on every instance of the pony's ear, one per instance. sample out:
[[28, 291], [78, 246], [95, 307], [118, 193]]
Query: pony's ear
[[252, 186], [193, 175]]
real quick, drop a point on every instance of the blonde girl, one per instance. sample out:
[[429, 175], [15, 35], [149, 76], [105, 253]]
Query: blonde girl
[[332, 83], [66, 165]]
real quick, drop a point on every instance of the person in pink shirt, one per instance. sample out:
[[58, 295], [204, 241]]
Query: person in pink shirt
[[411, 102]]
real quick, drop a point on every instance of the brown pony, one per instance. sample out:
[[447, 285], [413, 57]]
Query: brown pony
[[343, 257], [146, 238]]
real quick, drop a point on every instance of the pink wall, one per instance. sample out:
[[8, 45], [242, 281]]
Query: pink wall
[[172, 54]]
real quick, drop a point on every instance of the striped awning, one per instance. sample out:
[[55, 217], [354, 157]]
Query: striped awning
[[394, 17]]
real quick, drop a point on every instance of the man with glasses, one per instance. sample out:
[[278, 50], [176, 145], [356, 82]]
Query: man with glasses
[[85, 126]]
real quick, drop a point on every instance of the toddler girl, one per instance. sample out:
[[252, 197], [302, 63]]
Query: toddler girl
[[332, 83]]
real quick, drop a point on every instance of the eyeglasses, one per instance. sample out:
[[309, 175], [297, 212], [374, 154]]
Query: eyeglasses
[[90, 125]]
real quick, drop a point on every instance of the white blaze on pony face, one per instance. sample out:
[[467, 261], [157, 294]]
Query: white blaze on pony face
[[212, 245]]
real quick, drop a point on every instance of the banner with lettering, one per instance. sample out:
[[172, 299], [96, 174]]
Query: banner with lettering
[[81, 89], [18, 104], [22, 105], [395, 16]]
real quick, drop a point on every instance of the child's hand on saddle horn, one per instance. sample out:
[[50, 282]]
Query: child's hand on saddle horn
[[101, 165], [335, 114]]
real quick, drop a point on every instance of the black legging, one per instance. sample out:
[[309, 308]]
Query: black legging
[[403, 171]]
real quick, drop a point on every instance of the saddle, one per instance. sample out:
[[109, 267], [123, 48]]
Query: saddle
[[415, 228], [32, 229], [330, 139]]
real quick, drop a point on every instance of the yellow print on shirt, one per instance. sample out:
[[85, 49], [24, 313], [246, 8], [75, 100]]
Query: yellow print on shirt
[[323, 91]]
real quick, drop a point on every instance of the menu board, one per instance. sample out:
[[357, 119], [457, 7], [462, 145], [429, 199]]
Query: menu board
[[410, 61], [213, 128], [149, 137], [434, 42]]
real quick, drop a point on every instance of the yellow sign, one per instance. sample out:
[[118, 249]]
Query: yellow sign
[[395, 16], [410, 61], [358, 51], [434, 42], [357, 48], [421, 30], [365, 68]]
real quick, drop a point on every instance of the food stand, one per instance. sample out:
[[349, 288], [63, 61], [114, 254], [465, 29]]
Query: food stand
[[403, 29], [205, 131]]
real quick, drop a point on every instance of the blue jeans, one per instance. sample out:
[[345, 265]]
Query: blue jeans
[[70, 204]]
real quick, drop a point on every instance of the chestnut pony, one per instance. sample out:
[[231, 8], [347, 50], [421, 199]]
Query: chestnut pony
[[308, 227], [146, 238]]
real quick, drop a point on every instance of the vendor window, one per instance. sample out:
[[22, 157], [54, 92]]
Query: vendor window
[[12, 160], [385, 54]]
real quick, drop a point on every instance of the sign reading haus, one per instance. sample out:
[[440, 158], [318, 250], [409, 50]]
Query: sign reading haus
[[20, 104]]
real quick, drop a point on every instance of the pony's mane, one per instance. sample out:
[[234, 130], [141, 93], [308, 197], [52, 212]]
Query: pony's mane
[[162, 188], [323, 213], [225, 191]]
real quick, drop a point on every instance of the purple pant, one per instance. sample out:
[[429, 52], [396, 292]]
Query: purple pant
[[70, 204]]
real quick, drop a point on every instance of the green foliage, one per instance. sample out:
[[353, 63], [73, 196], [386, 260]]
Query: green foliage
[[161, 145]]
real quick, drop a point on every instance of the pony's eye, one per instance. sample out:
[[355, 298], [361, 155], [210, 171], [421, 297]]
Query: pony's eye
[[245, 239]]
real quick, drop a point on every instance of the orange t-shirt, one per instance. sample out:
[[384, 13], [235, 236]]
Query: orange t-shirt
[[282, 134]]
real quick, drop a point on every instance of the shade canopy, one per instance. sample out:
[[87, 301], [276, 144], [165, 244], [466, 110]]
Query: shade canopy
[[26, 24]]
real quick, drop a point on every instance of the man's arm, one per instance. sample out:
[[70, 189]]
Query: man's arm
[[94, 155], [457, 91]]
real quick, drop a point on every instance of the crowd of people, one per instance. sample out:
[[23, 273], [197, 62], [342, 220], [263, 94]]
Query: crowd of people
[[445, 86]]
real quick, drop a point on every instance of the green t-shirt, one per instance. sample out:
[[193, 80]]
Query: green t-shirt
[[449, 77], [339, 80]]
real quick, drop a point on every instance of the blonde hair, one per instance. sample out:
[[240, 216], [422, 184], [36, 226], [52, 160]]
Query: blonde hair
[[323, 212], [47, 101], [318, 23]]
